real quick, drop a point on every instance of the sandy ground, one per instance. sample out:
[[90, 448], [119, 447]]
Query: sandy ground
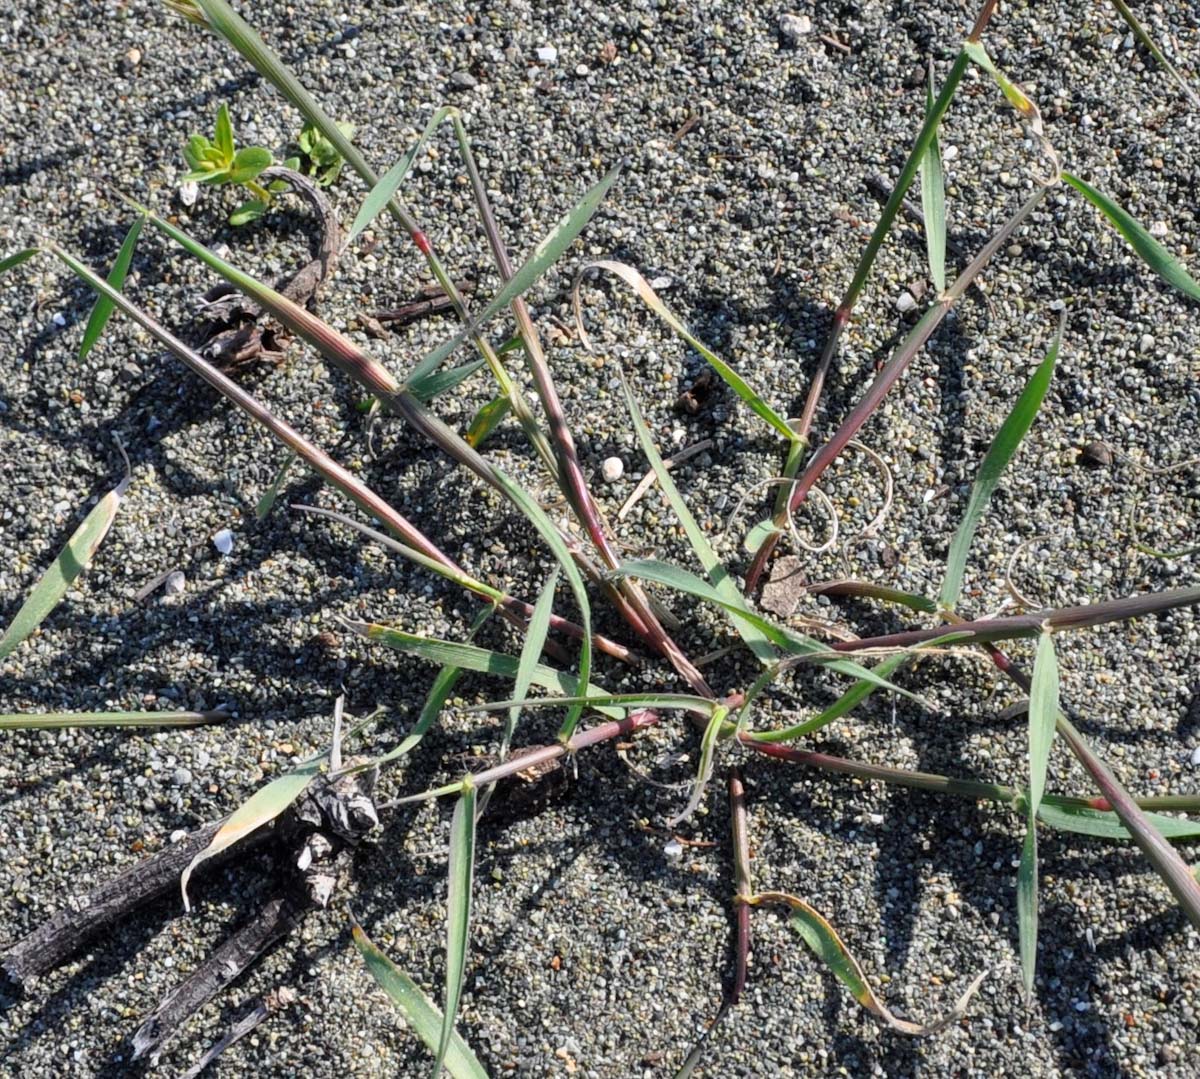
[[594, 952]]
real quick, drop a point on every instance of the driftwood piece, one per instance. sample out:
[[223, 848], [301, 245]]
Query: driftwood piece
[[235, 955], [232, 335], [274, 1001], [86, 915], [430, 300]]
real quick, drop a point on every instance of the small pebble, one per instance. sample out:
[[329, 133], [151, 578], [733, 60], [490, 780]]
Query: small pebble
[[794, 27], [174, 583], [463, 80], [1096, 454], [1146, 343], [1195, 758], [673, 850], [1159, 228], [181, 777], [189, 192], [547, 54], [612, 469], [581, 70], [223, 541], [905, 302]]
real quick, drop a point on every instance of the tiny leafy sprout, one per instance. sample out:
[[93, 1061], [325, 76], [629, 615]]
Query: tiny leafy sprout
[[322, 160], [216, 161]]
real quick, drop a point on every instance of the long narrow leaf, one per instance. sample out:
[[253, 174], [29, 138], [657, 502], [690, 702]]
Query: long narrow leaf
[[553, 539], [1014, 428], [458, 914], [17, 257], [262, 807], [103, 309], [601, 701], [543, 257], [482, 660], [1105, 824], [442, 381], [66, 568], [531, 651], [708, 747], [272, 493], [824, 941], [383, 192], [22, 721], [731, 378], [755, 639], [420, 1012], [933, 200], [1157, 257], [681, 580], [1043, 712]]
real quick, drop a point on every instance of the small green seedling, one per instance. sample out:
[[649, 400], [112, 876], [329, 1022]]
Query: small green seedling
[[322, 160], [215, 161]]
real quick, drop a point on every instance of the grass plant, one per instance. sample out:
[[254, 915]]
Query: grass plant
[[733, 727]]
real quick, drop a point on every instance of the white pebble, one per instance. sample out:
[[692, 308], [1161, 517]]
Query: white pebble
[[1146, 343], [612, 469], [59, 319], [581, 70], [794, 27], [547, 54], [673, 850], [223, 541], [660, 283], [1159, 228], [1195, 758], [905, 302], [189, 191], [174, 583]]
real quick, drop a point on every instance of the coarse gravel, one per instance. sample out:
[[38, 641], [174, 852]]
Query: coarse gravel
[[597, 951]]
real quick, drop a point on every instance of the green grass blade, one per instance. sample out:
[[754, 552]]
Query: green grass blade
[[933, 200], [443, 685], [543, 257], [442, 381], [1105, 824], [847, 702], [825, 943], [262, 807], [64, 571], [755, 639], [681, 580], [382, 193], [731, 378], [1157, 257], [531, 652], [483, 661], [103, 309], [272, 493], [604, 702], [1043, 713], [1027, 908], [9, 262], [708, 747], [458, 914], [486, 420], [1016, 97], [1144, 36], [1014, 428], [545, 528], [27, 721], [419, 1011]]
